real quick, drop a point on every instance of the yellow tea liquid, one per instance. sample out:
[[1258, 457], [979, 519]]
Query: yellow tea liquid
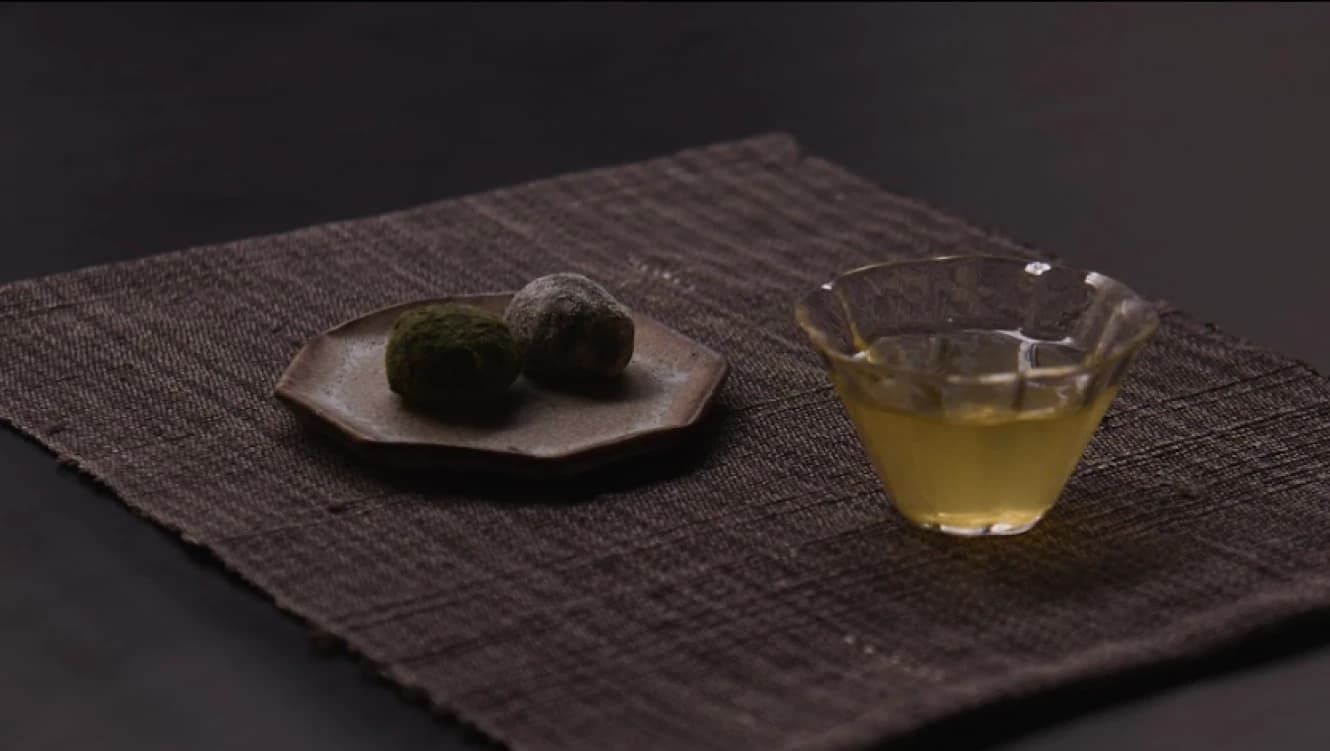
[[980, 470]]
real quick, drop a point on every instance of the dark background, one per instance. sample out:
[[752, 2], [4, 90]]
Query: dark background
[[1179, 148]]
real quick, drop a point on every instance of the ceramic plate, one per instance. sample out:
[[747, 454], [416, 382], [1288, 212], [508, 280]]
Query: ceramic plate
[[337, 382]]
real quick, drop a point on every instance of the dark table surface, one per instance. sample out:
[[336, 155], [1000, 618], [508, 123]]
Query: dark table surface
[[1180, 148]]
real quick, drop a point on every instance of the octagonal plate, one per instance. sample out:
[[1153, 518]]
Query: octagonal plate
[[338, 383]]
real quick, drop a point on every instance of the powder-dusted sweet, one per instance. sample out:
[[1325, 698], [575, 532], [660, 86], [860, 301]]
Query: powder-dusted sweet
[[571, 327], [449, 353]]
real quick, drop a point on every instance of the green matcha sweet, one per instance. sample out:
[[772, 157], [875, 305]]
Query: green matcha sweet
[[569, 327], [450, 354]]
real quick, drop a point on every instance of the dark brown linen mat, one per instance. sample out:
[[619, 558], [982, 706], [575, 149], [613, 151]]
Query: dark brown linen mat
[[754, 592]]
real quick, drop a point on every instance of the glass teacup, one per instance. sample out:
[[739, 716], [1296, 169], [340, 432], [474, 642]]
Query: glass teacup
[[976, 382]]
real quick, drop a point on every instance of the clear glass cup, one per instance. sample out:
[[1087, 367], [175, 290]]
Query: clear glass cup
[[974, 382]]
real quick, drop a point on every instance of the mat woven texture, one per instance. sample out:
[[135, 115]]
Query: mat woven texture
[[753, 592]]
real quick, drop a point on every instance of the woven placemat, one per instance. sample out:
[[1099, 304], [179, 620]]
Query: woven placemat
[[754, 592]]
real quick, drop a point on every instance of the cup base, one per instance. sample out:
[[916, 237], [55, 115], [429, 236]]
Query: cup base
[[997, 529]]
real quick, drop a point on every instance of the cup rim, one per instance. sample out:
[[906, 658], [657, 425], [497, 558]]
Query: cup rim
[[1090, 364]]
